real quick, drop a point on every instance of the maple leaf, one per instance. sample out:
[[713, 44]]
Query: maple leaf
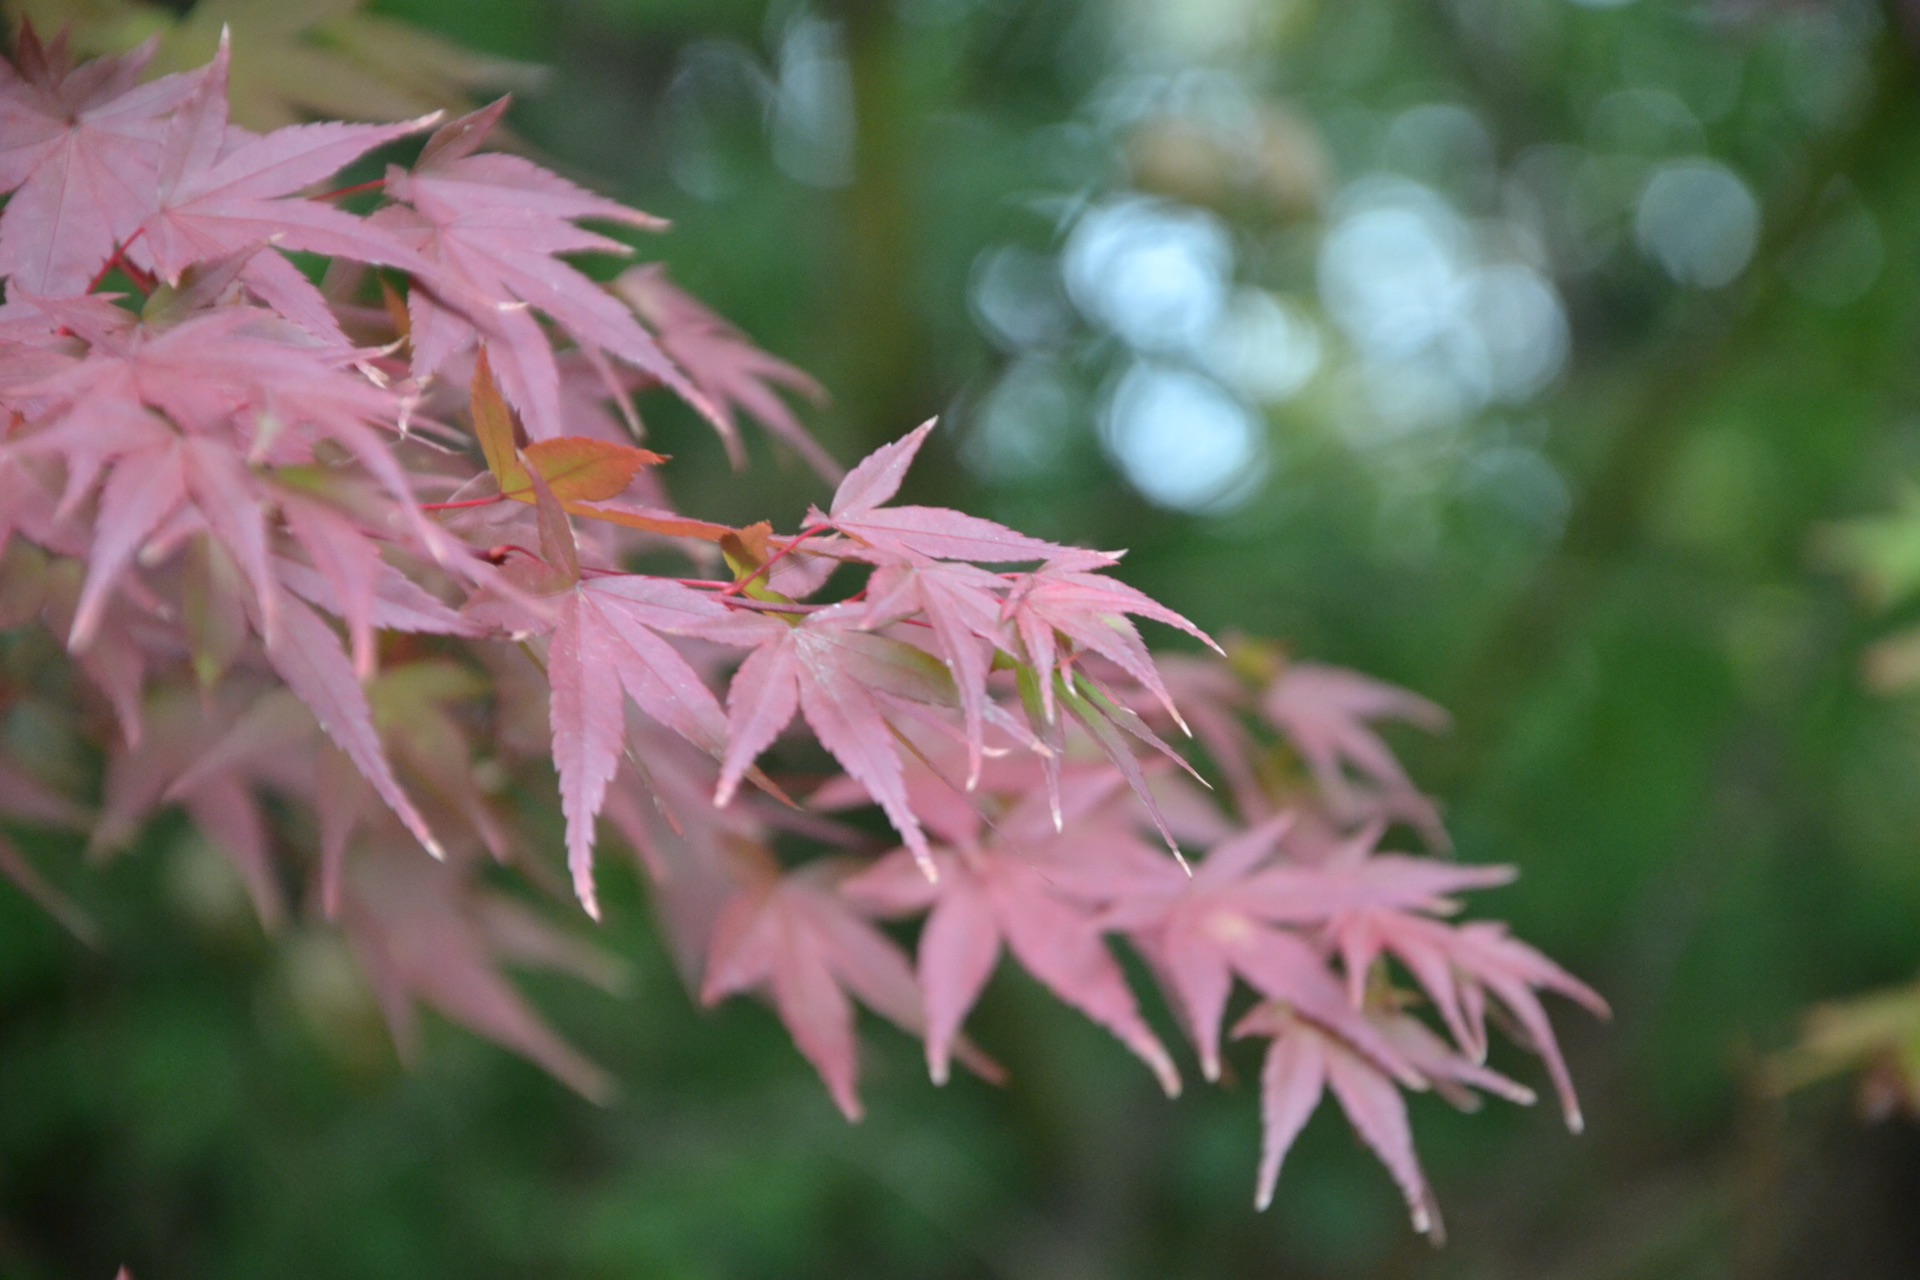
[[493, 227], [802, 943], [998, 893], [309, 658], [226, 381], [849, 685], [729, 369], [417, 707], [79, 150], [1452, 1076], [606, 640], [423, 934], [793, 568], [1112, 727], [119, 660], [350, 580], [1201, 931], [203, 493], [1303, 1060], [322, 58], [230, 371], [219, 195], [661, 804], [1042, 617], [1459, 966], [583, 474], [1327, 714], [1489, 960], [276, 745], [1212, 697], [961, 603], [1063, 601], [139, 495], [1354, 877], [575, 469], [858, 511], [210, 756]]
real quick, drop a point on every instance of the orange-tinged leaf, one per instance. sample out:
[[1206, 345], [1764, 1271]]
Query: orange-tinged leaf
[[652, 521], [750, 547], [578, 469], [493, 425], [575, 468], [396, 308]]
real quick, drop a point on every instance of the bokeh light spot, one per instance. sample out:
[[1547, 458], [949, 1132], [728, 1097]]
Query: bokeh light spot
[[1153, 273], [1183, 440], [1698, 220]]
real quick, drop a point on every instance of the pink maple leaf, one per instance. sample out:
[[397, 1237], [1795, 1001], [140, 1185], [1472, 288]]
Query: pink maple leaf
[[727, 368], [607, 640], [198, 476], [494, 226], [1303, 1060], [1328, 714], [1212, 698], [662, 806], [1063, 601], [79, 150], [961, 604], [1489, 960], [995, 892], [211, 756], [118, 662], [425, 935], [217, 489], [1458, 966], [1354, 877], [850, 686], [308, 656], [221, 192], [1452, 1075], [798, 940], [859, 512], [349, 579], [236, 385], [1203, 930], [1045, 618]]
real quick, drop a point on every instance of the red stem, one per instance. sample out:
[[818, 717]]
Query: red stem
[[463, 506], [498, 555], [378, 184], [141, 280], [773, 606]]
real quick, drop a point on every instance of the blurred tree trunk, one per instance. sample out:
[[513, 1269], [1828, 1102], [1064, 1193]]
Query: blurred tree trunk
[[881, 386]]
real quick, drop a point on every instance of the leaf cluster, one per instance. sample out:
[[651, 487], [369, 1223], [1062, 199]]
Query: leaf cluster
[[338, 562]]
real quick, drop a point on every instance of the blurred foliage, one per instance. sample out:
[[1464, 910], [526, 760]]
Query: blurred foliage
[[1546, 357], [317, 59]]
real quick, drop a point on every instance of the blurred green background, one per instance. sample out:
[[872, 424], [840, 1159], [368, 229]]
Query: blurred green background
[[1520, 351]]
